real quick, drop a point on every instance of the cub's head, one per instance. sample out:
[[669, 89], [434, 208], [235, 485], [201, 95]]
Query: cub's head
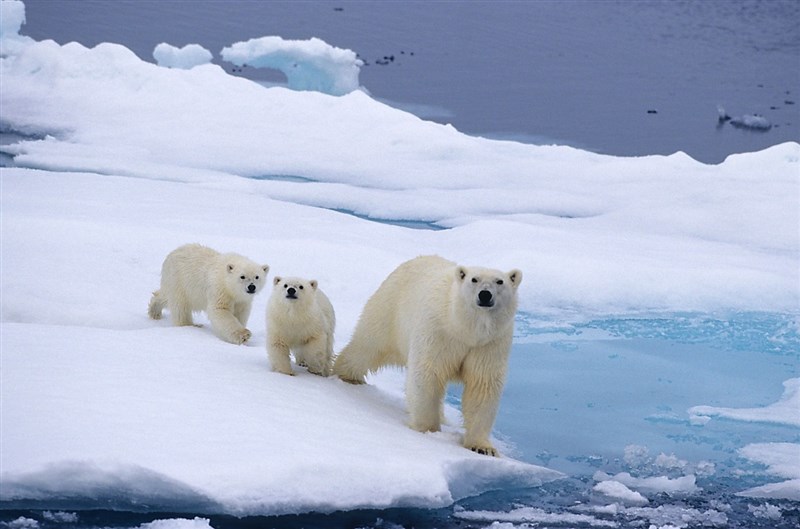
[[488, 289], [293, 289], [244, 277]]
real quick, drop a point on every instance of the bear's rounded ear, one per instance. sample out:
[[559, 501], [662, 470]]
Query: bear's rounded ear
[[265, 268], [230, 268], [461, 273], [276, 280], [313, 284], [515, 276]]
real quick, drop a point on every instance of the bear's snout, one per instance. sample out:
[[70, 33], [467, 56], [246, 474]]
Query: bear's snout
[[291, 293], [251, 288], [485, 299]]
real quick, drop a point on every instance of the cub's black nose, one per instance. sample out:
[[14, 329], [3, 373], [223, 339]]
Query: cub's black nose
[[485, 298], [251, 288], [291, 292]]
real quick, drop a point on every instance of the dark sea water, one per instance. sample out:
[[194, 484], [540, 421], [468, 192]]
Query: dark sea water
[[623, 77]]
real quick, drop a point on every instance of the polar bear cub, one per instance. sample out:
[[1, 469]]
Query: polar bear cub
[[300, 319], [196, 278], [444, 322]]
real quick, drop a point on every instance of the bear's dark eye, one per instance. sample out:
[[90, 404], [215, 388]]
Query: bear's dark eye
[[474, 279], [241, 277], [499, 281], [301, 287], [285, 286], [256, 278]]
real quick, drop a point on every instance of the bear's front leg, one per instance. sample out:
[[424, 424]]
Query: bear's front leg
[[425, 397], [227, 327], [479, 405], [278, 354], [241, 312]]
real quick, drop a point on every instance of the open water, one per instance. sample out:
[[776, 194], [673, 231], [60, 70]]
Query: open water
[[622, 77]]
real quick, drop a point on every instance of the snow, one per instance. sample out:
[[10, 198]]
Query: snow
[[783, 460], [120, 161], [186, 57], [311, 64], [785, 411], [12, 17]]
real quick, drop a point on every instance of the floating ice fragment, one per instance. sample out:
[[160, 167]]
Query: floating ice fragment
[[184, 58], [308, 64], [747, 121], [781, 459], [785, 411], [617, 491], [656, 484]]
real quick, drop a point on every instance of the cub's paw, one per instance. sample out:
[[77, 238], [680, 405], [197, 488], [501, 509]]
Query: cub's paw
[[241, 336], [485, 450], [354, 381]]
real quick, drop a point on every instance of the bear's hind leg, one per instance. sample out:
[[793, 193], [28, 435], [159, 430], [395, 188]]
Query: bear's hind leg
[[180, 313], [424, 397], [314, 355], [156, 306]]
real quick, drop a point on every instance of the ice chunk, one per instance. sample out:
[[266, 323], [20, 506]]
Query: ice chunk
[[783, 460], [655, 484], [184, 58], [12, 17], [785, 411], [617, 491], [178, 523], [308, 64]]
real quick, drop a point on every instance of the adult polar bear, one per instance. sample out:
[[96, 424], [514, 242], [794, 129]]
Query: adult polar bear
[[444, 322]]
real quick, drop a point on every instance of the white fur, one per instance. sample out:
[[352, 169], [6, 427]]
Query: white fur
[[196, 278], [427, 316], [300, 319]]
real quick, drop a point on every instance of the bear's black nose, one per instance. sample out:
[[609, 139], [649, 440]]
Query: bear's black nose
[[291, 292], [485, 298], [251, 288]]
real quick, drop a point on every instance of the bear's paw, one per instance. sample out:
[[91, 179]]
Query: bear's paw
[[241, 336], [485, 450]]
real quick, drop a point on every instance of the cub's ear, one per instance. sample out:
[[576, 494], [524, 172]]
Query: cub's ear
[[515, 276], [276, 280], [461, 273], [313, 284], [230, 268], [265, 268]]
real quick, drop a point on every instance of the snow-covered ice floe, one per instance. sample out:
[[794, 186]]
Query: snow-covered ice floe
[[117, 161]]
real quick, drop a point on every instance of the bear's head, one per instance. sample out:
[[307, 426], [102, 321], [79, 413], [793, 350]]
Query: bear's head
[[488, 289], [244, 277], [294, 289]]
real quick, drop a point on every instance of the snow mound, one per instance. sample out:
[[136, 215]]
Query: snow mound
[[184, 58], [309, 64], [182, 421], [12, 17]]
